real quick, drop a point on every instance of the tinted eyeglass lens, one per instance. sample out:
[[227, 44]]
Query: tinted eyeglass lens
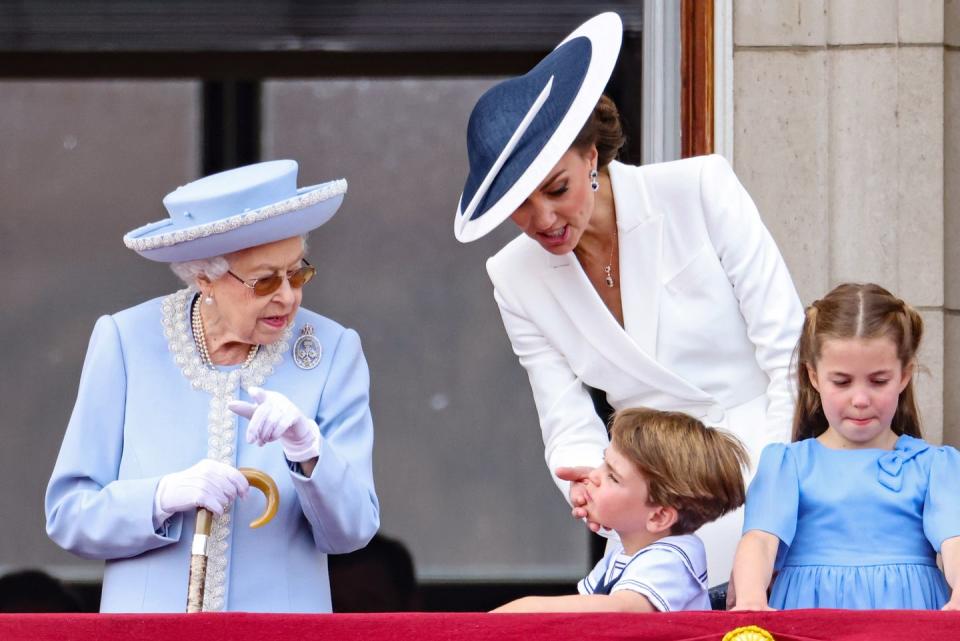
[[269, 284], [302, 276]]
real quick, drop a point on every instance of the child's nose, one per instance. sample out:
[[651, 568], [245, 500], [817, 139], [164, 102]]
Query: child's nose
[[860, 399]]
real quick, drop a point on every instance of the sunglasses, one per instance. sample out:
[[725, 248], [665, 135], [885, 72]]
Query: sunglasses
[[269, 284]]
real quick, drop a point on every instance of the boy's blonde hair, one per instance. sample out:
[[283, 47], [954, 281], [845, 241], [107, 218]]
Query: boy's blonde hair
[[688, 466]]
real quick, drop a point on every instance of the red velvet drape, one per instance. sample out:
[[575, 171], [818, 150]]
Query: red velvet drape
[[797, 625]]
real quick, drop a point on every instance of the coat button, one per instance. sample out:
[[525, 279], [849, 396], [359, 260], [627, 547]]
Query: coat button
[[715, 414]]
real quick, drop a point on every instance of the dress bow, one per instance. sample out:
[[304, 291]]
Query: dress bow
[[891, 463]]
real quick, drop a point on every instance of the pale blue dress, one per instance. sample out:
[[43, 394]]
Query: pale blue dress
[[858, 529]]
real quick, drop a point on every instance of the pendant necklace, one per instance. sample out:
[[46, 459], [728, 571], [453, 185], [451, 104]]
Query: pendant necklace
[[608, 270]]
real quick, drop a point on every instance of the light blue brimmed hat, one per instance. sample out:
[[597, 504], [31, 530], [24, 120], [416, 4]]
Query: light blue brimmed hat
[[520, 128], [234, 210]]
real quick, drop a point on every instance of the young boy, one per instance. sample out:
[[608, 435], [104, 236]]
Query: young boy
[[664, 475]]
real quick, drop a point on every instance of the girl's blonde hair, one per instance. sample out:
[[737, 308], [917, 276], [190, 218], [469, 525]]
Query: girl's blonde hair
[[854, 310]]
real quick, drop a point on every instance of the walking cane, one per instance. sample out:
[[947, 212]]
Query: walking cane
[[198, 558]]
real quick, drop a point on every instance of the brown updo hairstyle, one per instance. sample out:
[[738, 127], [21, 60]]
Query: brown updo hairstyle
[[854, 310], [604, 130]]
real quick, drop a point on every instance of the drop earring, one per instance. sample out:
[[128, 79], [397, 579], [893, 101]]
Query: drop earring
[[208, 300], [594, 185]]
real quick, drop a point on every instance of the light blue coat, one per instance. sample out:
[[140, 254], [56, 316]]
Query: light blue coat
[[137, 417]]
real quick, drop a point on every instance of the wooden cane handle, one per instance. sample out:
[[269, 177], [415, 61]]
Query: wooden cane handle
[[265, 484]]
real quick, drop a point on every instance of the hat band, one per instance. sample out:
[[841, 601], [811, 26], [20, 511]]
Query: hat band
[[323, 192], [508, 149]]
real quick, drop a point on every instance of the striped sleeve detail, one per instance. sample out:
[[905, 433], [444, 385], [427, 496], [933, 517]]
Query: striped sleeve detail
[[587, 587], [642, 588]]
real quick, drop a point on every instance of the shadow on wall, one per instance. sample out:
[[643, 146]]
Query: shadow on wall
[[36, 591], [381, 578], [377, 578]]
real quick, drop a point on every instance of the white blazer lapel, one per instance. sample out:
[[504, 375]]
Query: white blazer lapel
[[575, 296], [640, 232], [573, 292]]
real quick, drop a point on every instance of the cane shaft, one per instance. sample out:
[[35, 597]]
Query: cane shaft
[[198, 574], [198, 561]]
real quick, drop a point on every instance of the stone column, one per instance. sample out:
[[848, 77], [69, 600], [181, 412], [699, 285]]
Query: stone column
[[839, 137], [951, 215]]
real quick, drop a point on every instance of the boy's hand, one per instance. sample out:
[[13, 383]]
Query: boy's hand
[[578, 477]]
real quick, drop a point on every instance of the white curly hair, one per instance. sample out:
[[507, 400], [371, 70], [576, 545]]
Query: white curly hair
[[189, 270], [212, 268]]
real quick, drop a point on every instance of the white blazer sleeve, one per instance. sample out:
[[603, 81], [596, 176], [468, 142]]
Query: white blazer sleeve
[[573, 434], [761, 283]]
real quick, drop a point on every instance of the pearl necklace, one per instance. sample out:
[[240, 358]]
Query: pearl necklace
[[196, 322]]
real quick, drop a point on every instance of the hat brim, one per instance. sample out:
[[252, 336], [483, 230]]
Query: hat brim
[[309, 209], [605, 33]]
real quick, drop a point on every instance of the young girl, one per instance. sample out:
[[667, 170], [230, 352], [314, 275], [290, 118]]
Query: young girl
[[853, 512]]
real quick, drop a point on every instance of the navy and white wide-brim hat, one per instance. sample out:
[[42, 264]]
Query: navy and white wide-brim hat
[[520, 128], [234, 210]]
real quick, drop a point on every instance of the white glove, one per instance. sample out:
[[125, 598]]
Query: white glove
[[209, 484], [275, 417]]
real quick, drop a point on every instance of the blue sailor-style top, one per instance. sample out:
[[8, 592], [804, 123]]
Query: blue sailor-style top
[[671, 573]]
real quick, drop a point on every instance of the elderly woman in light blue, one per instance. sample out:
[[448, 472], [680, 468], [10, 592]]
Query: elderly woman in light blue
[[180, 391]]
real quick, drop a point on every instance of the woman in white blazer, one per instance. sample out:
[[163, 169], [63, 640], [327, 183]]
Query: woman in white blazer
[[657, 285]]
